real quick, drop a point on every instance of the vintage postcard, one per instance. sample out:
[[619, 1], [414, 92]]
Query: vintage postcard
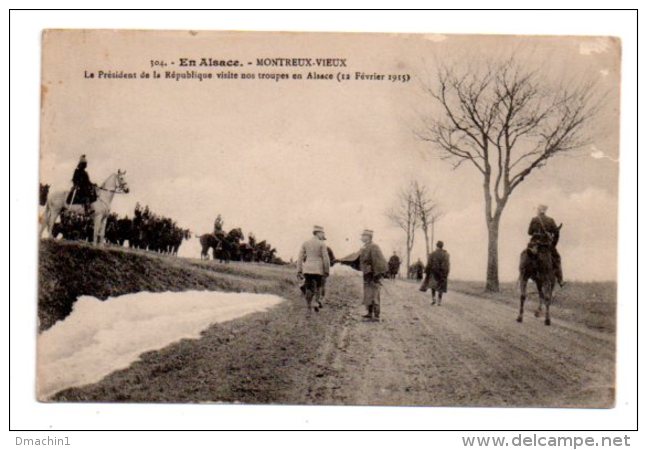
[[328, 218]]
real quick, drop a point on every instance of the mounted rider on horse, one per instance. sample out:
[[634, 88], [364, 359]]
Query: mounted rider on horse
[[83, 192], [544, 232]]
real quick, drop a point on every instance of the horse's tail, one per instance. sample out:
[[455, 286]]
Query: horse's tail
[[42, 198]]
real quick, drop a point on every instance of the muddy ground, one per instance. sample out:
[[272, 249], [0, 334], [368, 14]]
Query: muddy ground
[[468, 352]]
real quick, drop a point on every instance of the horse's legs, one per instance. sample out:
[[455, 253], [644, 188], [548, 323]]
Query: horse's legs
[[548, 298], [50, 218], [44, 221], [99, 228], [540, 291], [104, 223], [523, 285], [95, 231]]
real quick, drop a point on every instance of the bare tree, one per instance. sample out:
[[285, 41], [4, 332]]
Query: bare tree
[[428, 211], [404, 215], [505, 121]]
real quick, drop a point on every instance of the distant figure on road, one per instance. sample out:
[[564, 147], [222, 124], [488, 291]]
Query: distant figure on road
[[373, 266], [544, 231], [394, 265], [417, 270], [313, 265], [437, 271]]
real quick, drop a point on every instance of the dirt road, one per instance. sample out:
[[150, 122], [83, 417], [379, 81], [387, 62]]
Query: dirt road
[[469, 351]]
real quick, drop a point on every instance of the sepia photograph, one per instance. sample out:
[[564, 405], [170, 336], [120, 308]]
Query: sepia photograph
[[307, 218]]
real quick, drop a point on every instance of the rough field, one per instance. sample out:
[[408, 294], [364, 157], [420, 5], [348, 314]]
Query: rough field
[[470, 351]]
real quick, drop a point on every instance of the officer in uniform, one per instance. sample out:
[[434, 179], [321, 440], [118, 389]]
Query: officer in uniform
[[544, 231], [313, 265], [83, 190]]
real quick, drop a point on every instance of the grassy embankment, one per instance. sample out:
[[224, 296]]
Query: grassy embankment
[[264, 357]]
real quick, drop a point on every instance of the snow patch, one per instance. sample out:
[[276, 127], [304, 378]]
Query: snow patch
[[344, 271], [99, 337]]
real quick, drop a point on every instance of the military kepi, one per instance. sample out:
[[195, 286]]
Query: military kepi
[[317, 229], [367, 233]]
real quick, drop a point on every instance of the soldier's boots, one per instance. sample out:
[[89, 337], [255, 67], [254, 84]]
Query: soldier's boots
[[369, 312], [376, 313]]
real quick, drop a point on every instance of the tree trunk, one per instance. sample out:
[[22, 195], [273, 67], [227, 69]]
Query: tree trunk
[[408, 257], [492, 275], [426, 231], [433, 229]]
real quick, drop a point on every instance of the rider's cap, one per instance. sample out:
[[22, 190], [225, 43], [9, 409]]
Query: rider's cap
[[542, 208], [367, 233], [317, 229]]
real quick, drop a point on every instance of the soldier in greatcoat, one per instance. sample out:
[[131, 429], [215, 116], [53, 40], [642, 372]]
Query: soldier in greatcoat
[[373, 266], [436, 273], [313, 265]]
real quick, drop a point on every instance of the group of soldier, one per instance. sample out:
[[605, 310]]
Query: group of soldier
[[314, 261], [313, 269]]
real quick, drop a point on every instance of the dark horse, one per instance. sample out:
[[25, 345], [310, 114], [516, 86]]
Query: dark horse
[[538, 266], [208, 241], [229, 246], [225, 247]]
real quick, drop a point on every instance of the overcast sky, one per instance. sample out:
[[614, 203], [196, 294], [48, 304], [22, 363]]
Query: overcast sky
[[277, 158]]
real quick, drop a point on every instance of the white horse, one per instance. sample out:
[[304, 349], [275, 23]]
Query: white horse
[[56, 204]]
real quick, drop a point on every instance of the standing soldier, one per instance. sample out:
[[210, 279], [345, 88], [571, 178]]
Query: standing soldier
[[437, 271], [373, 265], [544, 231], [313, 265]]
